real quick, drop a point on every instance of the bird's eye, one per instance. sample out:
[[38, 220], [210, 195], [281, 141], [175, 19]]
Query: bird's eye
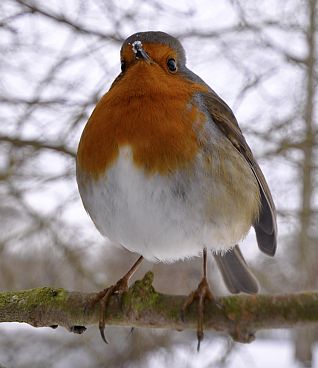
[[172, 65], [123, 65]]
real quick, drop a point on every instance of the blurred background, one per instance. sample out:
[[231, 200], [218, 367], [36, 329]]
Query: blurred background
[[57, 59]]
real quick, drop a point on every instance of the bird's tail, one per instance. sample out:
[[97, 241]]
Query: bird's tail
[[235, 272]]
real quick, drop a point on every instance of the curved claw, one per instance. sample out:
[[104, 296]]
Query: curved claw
[[102, 332], [200, 338], [104, 300], [103, 297], [201, 293]]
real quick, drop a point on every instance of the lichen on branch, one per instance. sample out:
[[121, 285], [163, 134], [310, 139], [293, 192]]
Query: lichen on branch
[[239, 316]]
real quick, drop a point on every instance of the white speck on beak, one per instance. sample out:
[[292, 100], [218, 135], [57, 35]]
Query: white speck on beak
[[136, 46]]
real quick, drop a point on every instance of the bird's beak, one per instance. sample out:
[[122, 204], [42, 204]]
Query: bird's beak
[[140, 53]]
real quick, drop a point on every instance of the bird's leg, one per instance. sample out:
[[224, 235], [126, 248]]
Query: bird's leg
[[201, 293], [103, 297]]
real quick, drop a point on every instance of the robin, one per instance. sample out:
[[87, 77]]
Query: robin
[[163, 169]]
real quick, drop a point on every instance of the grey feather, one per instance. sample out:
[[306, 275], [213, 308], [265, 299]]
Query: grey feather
[[266, 225], [235, 272]]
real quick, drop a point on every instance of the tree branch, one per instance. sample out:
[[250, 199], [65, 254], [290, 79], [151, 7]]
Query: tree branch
[[240, 316], [67, 21], [36, 144]]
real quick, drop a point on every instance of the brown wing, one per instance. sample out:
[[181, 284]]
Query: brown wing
[[266, 226]]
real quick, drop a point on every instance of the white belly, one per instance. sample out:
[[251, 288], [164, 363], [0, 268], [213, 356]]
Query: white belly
[[161, 217]]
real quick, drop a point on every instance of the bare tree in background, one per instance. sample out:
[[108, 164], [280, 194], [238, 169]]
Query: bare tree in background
[[56, 62], [307, 215]]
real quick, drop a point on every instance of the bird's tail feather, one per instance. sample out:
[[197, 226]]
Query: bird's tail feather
[[235, 272]]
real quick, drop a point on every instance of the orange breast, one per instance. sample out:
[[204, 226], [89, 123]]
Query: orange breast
[[151, 112]]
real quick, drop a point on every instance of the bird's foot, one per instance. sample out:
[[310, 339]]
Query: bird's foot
[[103, 298], [202, 293]]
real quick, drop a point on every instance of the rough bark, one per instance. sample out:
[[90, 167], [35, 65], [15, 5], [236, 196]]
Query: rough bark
[[141, 306]]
